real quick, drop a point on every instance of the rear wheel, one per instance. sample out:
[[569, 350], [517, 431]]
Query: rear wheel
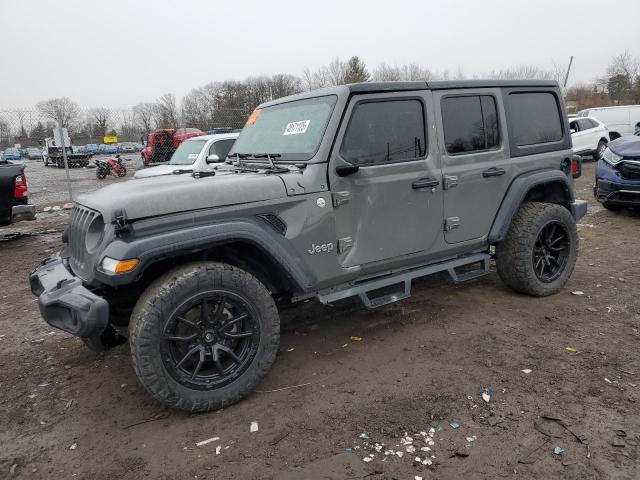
[[539, 253], [203, 336], [101, 174], [599, 153], [122, 172]]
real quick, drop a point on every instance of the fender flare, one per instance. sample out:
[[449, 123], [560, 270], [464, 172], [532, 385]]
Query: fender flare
[[255, 231], [515, 196]]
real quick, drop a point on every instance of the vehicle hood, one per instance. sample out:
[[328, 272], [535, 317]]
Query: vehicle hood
[[627, 146], [167, 194]]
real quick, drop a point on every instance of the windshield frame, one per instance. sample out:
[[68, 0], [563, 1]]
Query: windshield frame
[[283, 158]]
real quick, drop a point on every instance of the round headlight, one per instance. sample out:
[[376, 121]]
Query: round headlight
[[94, 234]]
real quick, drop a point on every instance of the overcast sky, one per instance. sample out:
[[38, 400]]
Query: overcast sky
[[119, 52]]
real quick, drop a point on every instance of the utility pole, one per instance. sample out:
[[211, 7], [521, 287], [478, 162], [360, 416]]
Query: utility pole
[[566, 77], [64, 157]]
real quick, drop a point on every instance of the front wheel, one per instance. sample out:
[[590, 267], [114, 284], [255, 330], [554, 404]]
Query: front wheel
[[122, 172], [101, 174], [539, 253], [203, 336]]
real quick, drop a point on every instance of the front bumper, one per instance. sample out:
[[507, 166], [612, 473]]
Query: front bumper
[[612, 188], [23, 212], [65, 303]]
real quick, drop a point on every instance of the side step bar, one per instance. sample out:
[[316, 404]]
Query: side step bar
[[405, 277]]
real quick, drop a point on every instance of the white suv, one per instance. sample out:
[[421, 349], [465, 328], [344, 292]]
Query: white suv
[[589, 136]]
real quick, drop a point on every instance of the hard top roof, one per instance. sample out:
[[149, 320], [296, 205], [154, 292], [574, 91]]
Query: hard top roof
[[378, 87]]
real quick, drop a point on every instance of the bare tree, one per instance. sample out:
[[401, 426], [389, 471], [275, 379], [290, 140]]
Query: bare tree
[[62, 110], [100, 117], [144, 113], [166, 111], [407, 73]]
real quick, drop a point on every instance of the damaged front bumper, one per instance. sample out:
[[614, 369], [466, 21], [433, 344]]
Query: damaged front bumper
[[64, 301]]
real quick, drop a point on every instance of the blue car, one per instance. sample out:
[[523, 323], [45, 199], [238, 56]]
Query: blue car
[[110, 149], [11, 154], [618, 174], [91, 148]]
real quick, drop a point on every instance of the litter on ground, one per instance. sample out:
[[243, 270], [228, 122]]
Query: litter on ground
[[208, 440]]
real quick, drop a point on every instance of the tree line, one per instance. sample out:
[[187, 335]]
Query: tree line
[[228, 103]]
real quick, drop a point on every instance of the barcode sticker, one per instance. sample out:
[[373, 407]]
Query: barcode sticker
[[193, 156], [294, 128]]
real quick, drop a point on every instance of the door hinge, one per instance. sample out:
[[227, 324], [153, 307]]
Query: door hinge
[[344, 244], [451, 223], [340, 198], [449, 181], [121, 221]]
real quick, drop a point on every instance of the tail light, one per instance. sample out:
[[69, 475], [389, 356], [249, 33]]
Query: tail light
[[576, 166], [20, 187]]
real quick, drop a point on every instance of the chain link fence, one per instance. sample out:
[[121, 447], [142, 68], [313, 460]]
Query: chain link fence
[[25, 128]]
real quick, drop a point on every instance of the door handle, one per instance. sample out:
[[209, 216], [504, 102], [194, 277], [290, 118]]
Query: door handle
[[493, 172], [425, 183]]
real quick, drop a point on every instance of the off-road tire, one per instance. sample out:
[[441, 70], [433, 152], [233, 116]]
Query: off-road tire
[[162, 298], [514, 256], [599, 152]]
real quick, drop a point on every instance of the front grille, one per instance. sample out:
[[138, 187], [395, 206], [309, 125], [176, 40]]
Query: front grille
[[81, 218], [629, 171]]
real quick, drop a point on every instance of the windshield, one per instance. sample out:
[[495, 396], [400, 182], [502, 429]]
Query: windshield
[[293, 129], [187, 152]]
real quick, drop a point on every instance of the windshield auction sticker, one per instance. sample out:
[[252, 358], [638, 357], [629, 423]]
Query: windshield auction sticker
[[294, 128]]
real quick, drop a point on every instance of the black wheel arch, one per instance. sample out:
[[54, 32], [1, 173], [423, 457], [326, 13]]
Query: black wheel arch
[[252, 244], [550, 186]]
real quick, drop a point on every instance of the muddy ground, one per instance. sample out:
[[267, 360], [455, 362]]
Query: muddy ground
[[66, 412]]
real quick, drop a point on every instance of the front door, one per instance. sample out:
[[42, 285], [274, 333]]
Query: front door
[[392, 205], [475, 161]]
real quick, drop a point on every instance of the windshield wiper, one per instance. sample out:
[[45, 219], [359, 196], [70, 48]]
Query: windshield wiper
[[180, 171], [203, 174], [272, 164]]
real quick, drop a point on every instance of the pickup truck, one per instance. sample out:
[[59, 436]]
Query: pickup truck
[[14, 203]]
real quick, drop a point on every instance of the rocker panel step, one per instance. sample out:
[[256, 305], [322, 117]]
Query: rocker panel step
[[406, 276]]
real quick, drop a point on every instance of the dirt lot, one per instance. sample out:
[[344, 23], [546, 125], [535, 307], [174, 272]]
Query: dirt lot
[[66, 412]]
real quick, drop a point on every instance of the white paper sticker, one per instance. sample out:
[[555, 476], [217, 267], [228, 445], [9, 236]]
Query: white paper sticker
[[294, 128], [193, 156]]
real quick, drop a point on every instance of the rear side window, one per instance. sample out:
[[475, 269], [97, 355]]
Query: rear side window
[[586, 124], [470, 123], [385, 131], [534, 118]]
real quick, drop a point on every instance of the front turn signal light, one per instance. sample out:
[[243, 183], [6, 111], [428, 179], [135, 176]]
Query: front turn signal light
[[112, 265]]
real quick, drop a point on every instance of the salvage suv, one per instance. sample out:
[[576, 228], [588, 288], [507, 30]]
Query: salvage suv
[[351, 191]]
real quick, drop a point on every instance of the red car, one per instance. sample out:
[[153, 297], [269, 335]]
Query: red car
[[162, 142]]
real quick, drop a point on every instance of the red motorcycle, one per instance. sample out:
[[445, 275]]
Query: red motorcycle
[[114, 166]]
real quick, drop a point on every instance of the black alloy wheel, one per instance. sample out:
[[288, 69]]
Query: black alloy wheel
[[551, 251], [210, 340]]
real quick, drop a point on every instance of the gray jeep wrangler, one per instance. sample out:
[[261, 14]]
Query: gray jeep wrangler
[[351, 191]]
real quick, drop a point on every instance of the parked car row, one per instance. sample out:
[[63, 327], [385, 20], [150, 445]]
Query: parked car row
[[96, 149]]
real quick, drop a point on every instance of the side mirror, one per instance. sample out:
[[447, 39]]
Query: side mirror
[[213, 158], [345, 170]]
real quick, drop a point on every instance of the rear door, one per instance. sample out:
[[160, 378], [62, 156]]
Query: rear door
[[589, 134], [475, 160]]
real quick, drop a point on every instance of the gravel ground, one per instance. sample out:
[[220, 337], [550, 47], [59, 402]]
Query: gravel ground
[[48, 185], [416, 369]]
